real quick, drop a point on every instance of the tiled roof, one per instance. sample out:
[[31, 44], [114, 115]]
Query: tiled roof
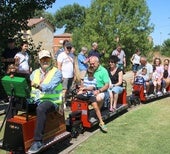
[[34, 21], [63, 35]]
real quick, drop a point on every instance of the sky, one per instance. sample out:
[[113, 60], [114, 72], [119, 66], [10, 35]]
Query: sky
[[160, 16]]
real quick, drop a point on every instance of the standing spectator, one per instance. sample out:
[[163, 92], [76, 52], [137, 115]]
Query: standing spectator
[[116, 77], [22, 59], [9, 53], [121, 55], [65, 63], [95, 52], [60, 50], [82, 62], [135, 59]]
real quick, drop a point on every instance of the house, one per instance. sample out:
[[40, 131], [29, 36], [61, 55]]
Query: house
[[58, 40], [40, 31]]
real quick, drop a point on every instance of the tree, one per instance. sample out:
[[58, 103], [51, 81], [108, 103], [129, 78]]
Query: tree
[[70, 17], [116, 21], [166, 48], [14, 15], [48, 16]]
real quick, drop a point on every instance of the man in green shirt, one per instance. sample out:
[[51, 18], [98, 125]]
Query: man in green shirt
[[102, 77]]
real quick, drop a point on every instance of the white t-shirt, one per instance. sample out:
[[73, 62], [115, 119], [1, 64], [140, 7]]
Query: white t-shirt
[[149, 68], [121, 55], [136, 59], [67, 64], [23, 62]]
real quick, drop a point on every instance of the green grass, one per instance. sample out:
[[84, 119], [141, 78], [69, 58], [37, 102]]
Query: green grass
[[145, 130]]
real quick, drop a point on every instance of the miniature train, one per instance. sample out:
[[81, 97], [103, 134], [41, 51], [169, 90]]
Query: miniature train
[[18, 133]]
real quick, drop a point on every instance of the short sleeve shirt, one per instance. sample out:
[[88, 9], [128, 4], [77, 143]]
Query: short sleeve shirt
[[102, 76], [121, 55]]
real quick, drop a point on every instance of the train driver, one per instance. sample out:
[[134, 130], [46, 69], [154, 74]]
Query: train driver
[[46, 92]]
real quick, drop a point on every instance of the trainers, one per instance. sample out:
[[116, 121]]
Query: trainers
[[35, 147], [164, 90], [92, 119], [159, 93], [151, 95], [103, 127]]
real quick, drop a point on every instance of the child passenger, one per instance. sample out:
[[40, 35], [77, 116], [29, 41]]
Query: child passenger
[[86, 91], [143, 74], [157, 80]]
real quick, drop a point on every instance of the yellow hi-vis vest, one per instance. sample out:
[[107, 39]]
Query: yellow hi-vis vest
[[54, 96]]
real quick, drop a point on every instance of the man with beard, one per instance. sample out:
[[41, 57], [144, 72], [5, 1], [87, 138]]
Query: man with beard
[[46, 92]]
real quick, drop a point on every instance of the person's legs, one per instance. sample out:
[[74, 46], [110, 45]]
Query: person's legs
[[41, 111], [98, 113], [111, 100], [116, 91]]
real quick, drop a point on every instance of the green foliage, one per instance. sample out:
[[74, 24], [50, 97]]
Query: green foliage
[[116, 21], [48, 16], [166, 48], [157, 48], [14, 15], [70, 17]]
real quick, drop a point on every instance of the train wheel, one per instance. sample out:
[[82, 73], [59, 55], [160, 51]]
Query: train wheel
[[138, 101], [80, 129], [74, 132]]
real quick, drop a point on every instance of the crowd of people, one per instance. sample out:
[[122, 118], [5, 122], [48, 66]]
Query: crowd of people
[[52, 81]]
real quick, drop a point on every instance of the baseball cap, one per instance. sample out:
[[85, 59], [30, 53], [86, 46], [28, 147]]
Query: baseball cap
[[44, 53]]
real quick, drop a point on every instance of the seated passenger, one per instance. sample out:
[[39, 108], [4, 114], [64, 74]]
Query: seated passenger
[[157, 80], [116, 77], [149, 67], [87, 91], [166, 78], [145, 77], [47, 94], [102, 78], [159, 73]]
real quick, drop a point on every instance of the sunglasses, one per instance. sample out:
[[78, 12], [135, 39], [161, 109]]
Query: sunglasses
[[69, 48]]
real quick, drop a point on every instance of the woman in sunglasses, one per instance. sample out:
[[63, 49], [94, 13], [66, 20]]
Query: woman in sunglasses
[[65, 63], [116, 77]]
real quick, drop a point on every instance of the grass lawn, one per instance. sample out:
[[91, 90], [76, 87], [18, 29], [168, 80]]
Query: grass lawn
[[144, 130]]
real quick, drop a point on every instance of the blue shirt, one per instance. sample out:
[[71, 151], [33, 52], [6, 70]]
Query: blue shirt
[[95, 53], [81, 58]]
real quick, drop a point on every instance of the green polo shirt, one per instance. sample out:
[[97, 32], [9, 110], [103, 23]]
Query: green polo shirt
[[102, 76]]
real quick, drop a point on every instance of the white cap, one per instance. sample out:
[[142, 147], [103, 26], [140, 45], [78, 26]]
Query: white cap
[[44, 53]]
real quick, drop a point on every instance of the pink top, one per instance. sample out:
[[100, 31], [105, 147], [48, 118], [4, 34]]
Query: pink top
[[160, 70]]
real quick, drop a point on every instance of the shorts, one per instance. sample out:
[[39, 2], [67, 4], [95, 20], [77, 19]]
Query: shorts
[[117, 89], [104, 95], [135, 67], [67, 83], [91, 99]]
